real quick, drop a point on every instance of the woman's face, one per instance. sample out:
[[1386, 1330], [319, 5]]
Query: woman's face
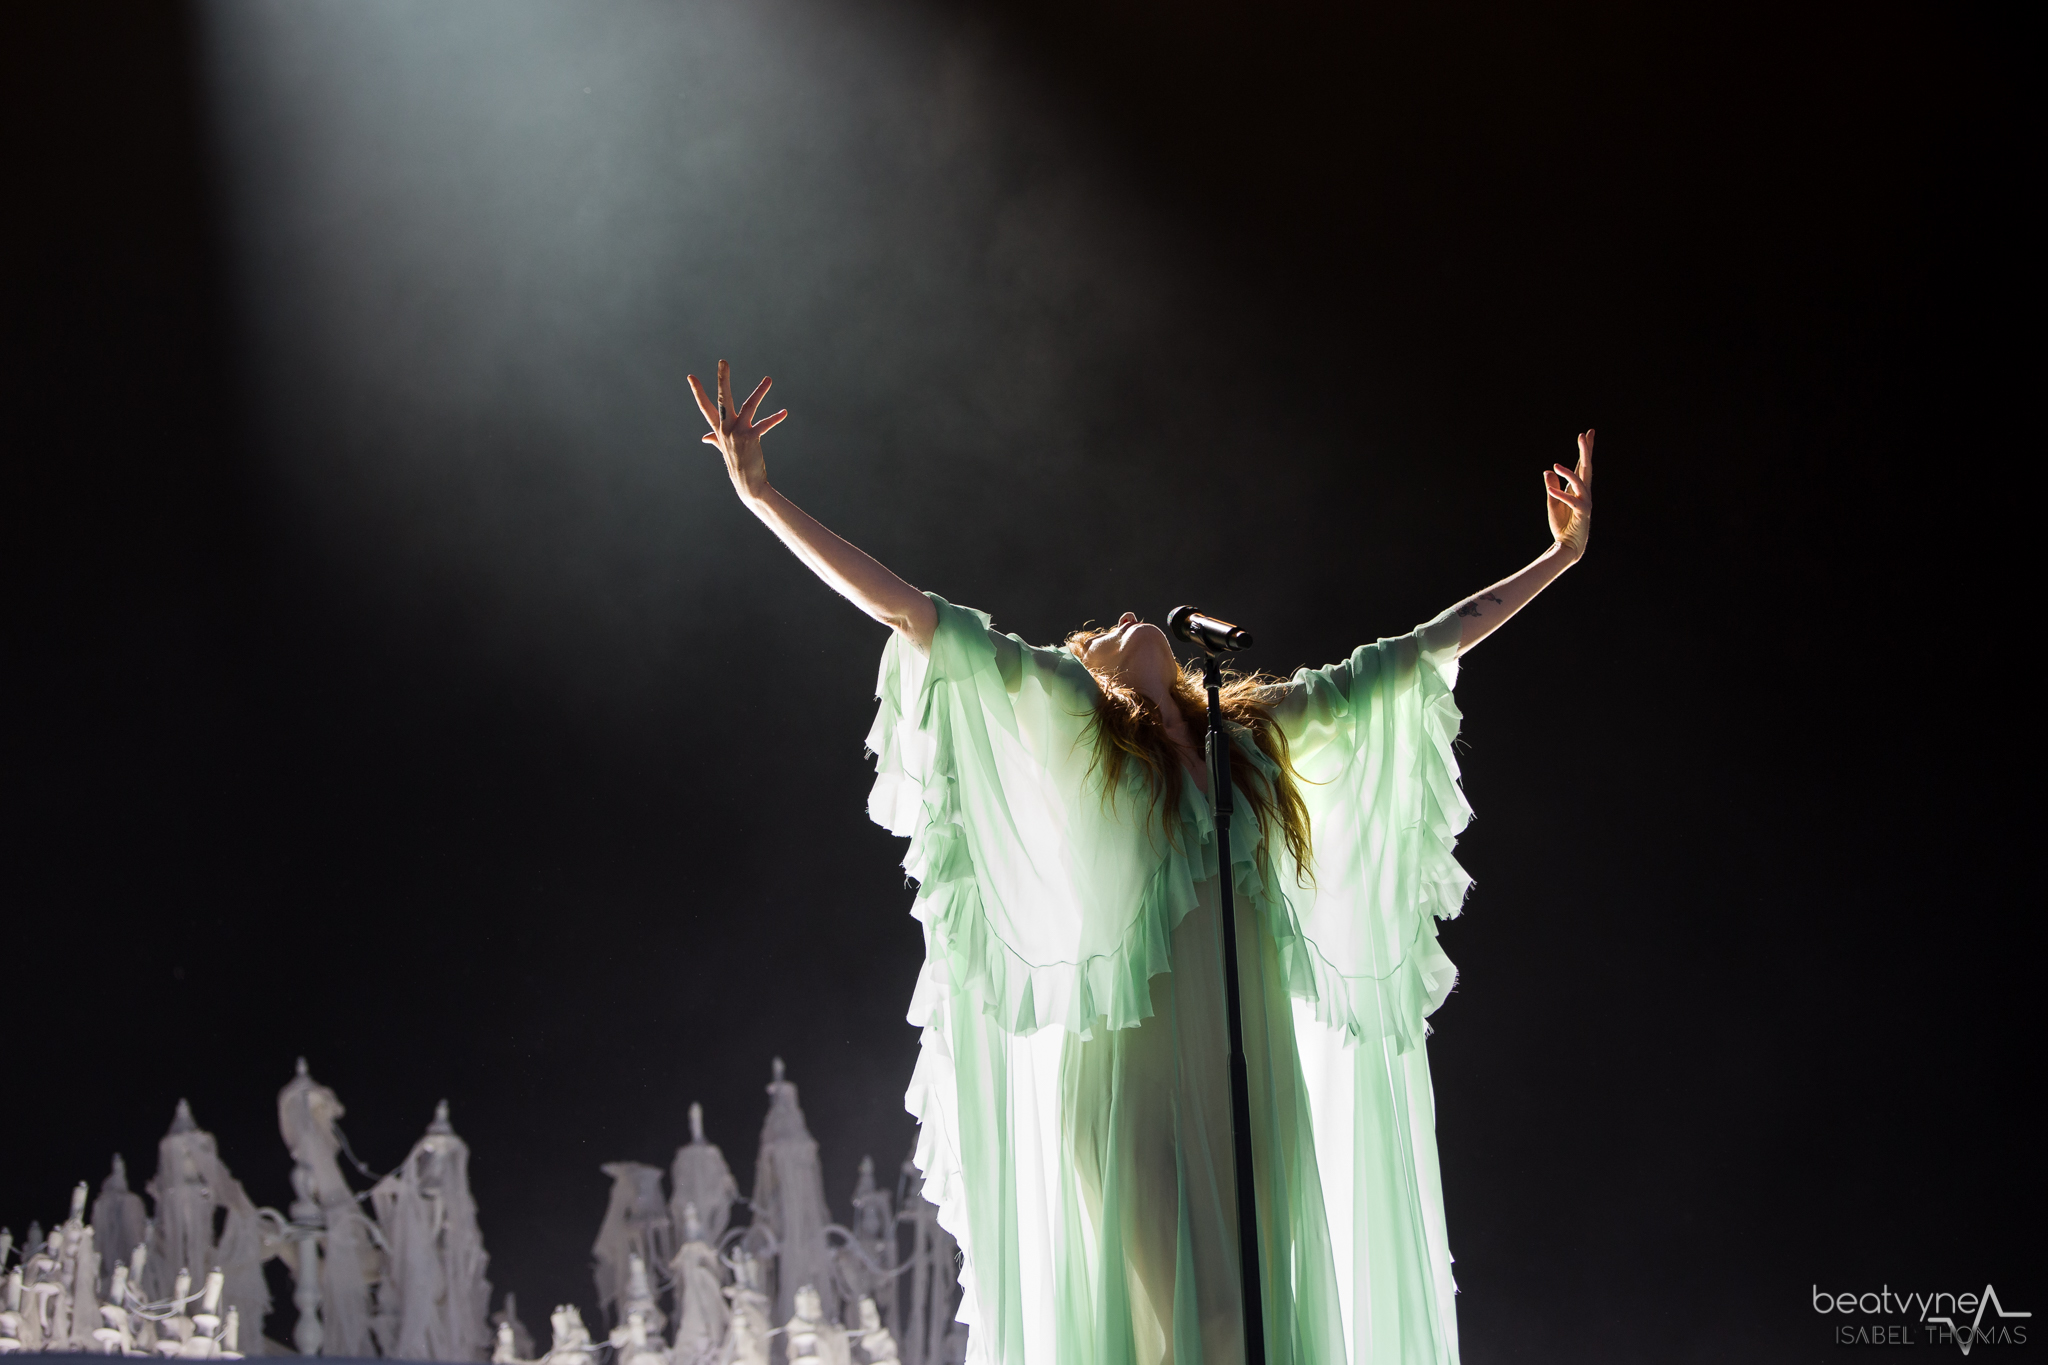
[[1133, 650]]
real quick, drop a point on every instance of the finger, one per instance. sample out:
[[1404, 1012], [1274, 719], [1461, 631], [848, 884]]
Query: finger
[[704, 402], [724, 388], [1570, 479], [770, 422], [1576, 504], [1586, 456], [754, 399]]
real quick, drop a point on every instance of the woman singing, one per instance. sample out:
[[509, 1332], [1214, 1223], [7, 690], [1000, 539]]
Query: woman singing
[[1073, 1091]]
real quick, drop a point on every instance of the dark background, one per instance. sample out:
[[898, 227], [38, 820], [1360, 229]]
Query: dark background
[[392, 679]]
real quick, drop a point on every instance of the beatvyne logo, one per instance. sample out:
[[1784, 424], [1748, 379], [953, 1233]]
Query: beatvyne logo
[[1937, 1313]]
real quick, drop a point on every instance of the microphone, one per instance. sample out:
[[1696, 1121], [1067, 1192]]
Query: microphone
[[1197, 628]]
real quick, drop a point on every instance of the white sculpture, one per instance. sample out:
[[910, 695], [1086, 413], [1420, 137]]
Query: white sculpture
[[213, 1332], [120, 1220], [750, 1321], [146, 1334], [337, 1259], [177, 1326], [633, 1343], [572, 1344], [506, 1320], [51, 1301], [12, 1331], [867, 1263], [23, 1321], [117, 1334], [74, 1291], [635, 1224], [205, 1337], [78, 1277], [926, 1337], [700, 1176], [877, 1345], [701, 1311], [38, 1298], [434, 1281], [813, 1338], [789, 1201], [638, 1296], [190, 1185]]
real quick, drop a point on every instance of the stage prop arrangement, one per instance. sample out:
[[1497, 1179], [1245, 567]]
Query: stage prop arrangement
[[695, 1274]]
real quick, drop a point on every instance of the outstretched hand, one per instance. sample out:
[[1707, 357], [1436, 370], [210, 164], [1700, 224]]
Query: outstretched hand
[[1570, 500], [735, 432]]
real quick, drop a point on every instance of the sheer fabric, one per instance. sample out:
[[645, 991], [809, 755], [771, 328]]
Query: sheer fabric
[[1072, 1090]]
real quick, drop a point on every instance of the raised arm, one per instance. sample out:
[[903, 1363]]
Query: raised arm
[[846, 570], [1568, 498]]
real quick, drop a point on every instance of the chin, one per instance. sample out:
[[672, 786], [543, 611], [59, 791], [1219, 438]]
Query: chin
[[1149, 641], [1145, 630]]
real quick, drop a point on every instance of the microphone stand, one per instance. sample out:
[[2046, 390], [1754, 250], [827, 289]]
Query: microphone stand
[[1218, 753]]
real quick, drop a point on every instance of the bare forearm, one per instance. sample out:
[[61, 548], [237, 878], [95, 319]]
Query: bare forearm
[[846, 569], [736, 433], [1484, 611]]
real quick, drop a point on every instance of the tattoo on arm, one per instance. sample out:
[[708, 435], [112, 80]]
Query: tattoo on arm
[[1472, 608]]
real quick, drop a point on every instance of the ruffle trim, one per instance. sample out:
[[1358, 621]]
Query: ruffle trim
[[916, 795], [1112, 988], [1397, 1005], [933, 1100]]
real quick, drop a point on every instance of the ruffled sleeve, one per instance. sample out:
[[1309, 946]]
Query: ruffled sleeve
[[1042, 901], [1372, 736]]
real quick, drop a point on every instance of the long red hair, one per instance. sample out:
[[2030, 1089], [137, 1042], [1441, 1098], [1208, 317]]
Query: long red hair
[[1129, 730]]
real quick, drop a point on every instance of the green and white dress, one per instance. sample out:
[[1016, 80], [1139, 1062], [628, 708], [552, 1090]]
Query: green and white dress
[[1073, 1089]]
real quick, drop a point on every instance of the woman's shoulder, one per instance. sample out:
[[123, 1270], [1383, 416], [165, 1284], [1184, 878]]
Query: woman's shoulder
[[969, 630], [1054, 668]]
